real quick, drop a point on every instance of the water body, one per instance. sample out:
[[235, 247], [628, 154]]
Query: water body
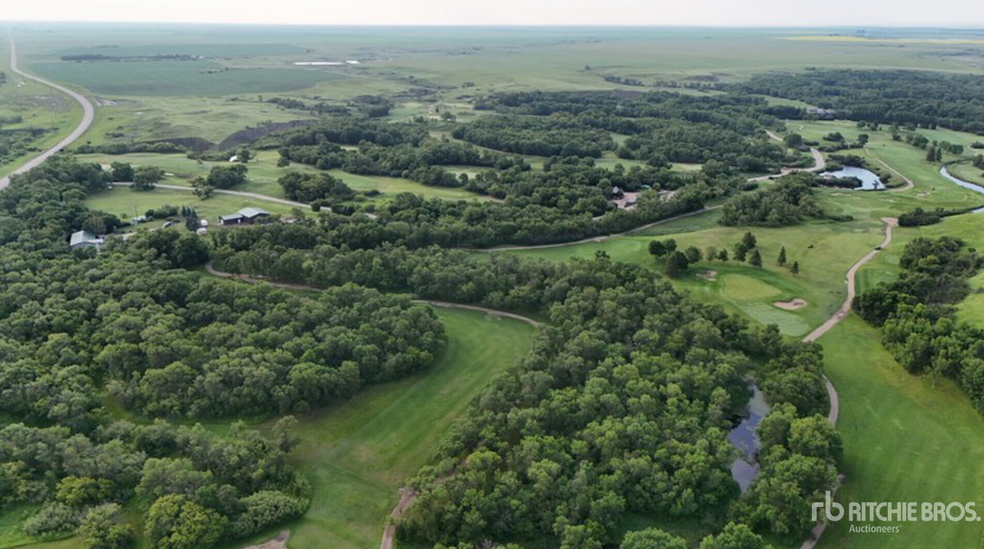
[[869, 179], [965, 184], [743, 437]]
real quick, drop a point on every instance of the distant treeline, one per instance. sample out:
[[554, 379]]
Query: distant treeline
[[905, 98], [662, 127]]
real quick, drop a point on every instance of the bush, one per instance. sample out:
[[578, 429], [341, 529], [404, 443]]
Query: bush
[[52, 520]]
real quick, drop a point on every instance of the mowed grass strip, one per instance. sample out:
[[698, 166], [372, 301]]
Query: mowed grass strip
[[358, 454], [904, 440]]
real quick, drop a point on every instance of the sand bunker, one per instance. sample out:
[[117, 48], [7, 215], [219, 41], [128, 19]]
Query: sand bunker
[[790, 305], [709, 275], [278, 542]]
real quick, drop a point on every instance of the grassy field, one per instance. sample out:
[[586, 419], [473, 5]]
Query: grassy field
[[264, 173], [187, 78], [904, 440], [825, 252], [127, 203], [358, 454]]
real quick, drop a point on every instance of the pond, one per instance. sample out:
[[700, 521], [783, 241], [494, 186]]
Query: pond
[[965, 184], [869, 179], [743, 437]]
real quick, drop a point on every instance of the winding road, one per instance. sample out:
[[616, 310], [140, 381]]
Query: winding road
[[88, 113]]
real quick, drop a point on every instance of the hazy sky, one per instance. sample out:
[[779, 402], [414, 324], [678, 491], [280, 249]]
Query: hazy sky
[[961, 13]]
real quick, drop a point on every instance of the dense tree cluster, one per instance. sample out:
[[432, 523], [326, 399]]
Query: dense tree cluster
[[917, 318], [199, 487], [554, 135], [922, 99], [622, 406], [661, 126], [86, 338], [787, 202], [311, 187]]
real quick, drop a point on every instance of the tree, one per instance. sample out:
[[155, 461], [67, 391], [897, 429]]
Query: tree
[[103, 529], [202, 189], [723, 254], [741, 251], [756, 259], [244, 155], [659, 248], [190, 251], [749, 240], [863, 139], [652, 538], [225, 177], [175, 522], [711, 253], [121, 172], [145, 178], [782, 256], [676, 264], [734, 536], [795, 269], [693, 254], [285, 434], [793, 141]]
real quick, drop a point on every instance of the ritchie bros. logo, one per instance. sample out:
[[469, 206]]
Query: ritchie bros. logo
[[894, 511]]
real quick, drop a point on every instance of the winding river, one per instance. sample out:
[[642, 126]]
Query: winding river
[[965, 184]]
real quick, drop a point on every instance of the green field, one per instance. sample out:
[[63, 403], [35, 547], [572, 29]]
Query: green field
[[904, 440], [126, 203], [825, 252], [358, 454], [188, 78], [264, 173]]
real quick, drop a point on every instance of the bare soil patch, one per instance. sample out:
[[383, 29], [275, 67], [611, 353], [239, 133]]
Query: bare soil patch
[[278, 542], [710, 276], [791, 305]]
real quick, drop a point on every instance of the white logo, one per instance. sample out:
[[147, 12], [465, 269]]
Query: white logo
[[895, 511]]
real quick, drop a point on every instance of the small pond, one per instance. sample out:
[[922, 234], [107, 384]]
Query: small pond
[[743, 437], [869, 179]]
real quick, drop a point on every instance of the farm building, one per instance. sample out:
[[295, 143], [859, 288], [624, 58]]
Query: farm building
[[84, 239], [246, 216]]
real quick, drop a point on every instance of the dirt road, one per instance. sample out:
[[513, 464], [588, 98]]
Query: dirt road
[[88, 113]]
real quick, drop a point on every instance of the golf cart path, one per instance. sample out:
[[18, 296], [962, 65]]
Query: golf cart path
[[88, 113], [908, 182], [841, 314]]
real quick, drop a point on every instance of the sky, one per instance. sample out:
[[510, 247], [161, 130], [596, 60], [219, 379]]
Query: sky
[[757, 13]]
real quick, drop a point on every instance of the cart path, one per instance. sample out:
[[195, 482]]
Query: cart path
[[908, 182], [88, 113], [845, 308]]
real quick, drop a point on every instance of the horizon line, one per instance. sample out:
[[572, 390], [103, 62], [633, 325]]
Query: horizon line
[[961, 27]]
